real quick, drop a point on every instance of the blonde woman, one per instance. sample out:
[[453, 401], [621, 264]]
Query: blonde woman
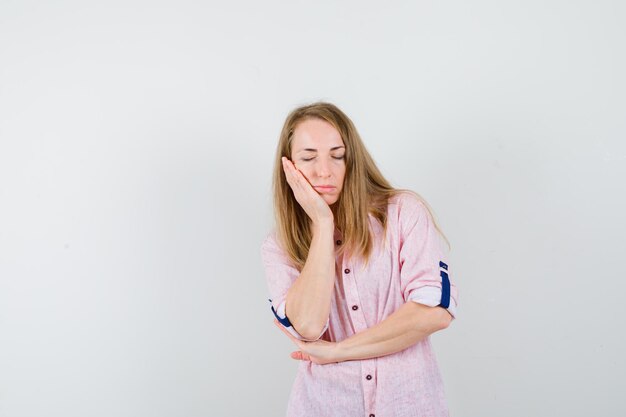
[[358, 276]]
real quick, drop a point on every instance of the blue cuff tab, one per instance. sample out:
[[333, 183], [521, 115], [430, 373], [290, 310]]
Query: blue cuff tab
[[445, 289], [285, 322]]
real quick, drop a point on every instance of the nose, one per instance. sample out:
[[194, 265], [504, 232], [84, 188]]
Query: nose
[[322, 168]]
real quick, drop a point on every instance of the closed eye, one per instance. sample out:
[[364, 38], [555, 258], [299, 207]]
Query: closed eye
[[334, 157]]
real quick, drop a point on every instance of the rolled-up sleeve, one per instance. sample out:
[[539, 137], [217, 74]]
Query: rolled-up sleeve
[[280, 275], [424, 267]]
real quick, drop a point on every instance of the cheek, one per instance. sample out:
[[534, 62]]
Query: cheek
[[342, 174], [304, 171]]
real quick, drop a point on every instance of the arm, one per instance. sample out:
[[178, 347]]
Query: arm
[[308, 299], [411, 323], [426, 289], [408, 325]]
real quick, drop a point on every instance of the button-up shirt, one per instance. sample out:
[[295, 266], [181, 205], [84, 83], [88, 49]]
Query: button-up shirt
[[408, 263]]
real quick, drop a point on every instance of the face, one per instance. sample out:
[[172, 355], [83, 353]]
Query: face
[[318, 151]]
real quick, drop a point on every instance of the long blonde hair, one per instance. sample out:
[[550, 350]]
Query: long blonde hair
[[365, 190]]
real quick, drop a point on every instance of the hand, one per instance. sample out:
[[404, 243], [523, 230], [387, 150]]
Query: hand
[[320, 352], [312, 203]]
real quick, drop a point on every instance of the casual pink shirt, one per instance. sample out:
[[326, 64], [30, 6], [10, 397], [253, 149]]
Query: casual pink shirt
[[411, 265]]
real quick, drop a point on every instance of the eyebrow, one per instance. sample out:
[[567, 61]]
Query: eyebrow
[[315, 150]]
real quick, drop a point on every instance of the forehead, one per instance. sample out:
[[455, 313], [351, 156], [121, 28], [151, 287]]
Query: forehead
[[316, 134]]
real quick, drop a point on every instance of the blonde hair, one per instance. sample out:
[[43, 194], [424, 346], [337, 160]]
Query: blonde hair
[[365, 191]]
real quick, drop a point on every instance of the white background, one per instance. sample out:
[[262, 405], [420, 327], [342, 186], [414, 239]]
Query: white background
[[136, 148]]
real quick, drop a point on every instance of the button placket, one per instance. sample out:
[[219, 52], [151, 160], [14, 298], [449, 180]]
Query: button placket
[[368, 366], [369, 383], [353, 299]]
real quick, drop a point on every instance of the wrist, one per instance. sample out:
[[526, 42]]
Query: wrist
[[343, 351], [322, 225]]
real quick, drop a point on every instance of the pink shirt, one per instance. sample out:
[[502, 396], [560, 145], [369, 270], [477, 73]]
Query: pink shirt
[[411, 266]]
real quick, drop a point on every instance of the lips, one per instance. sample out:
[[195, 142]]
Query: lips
[[324, 187]]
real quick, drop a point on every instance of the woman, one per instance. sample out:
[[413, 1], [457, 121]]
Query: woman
[[357, 274]]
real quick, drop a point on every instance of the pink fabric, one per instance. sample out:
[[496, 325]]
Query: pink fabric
[[404, 268]]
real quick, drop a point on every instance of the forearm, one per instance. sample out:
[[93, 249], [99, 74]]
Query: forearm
[[308, 300], [411, 323]]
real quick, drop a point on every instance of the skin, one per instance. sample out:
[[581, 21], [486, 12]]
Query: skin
[[318, 159], [408, 325], [317, 150]]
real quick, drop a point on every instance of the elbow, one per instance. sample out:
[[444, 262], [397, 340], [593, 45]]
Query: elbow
[[309, 333], [431, 319], [308, 330], [442, 319], [435, 319], [311, 336]]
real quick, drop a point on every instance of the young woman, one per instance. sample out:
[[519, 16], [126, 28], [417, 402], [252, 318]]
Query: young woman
[[357, 274]]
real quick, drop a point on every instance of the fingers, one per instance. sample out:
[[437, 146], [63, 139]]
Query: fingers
[[290, 176], [288, 167], [302, 188], [301, 356], [305, 194], [290, 173], [298, 354], [293, 175]]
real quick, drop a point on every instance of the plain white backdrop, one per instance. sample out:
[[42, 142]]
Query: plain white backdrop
[[136, 148]]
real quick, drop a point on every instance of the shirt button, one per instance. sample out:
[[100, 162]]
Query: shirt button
[[372, 415], [355, 308], [338, 242], [347, 271], [368, 377]]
